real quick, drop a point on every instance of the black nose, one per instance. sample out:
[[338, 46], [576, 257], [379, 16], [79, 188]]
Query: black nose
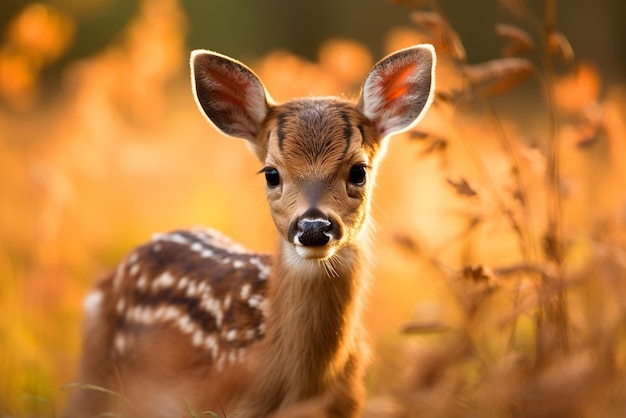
[[313, 232]]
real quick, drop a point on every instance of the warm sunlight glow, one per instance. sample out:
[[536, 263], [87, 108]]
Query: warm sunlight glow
[[467, 261]]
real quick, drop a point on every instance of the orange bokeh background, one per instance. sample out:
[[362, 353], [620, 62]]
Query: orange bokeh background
[[120, 152]]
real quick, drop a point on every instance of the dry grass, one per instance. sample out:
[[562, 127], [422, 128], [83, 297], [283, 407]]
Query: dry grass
[[532, 323], [507, 210]]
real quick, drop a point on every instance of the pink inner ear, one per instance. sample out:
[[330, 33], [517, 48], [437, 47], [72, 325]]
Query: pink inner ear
[[233, 91], [234, 102], [398, 86]]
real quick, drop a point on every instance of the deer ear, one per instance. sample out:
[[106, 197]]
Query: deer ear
[[399, 89], [231, 96]]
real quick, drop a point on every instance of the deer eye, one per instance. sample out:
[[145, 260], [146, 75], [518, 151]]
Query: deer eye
[[272, 178], [357, 175]]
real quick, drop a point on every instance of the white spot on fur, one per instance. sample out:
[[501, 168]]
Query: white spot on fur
[[217, 239], [264, 270], [213, 306], [220, 363], [142, 283], [119, 275], [93, 304], [241, 355], [164, 281], [202, 288], [185, 324], [211, 344], [245, 291], [256, 301], [134, 269], [178, 239], [140, 314], [197, 338], [172, 313], [192, 290], [179, 317], [120, 305], [159, 313], [120, 343], [182, 282], [238, 264]]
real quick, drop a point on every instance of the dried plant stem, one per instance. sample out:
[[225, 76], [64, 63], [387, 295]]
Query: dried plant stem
[[551, 315], [458, 292], [508, 212], [553, 171], [552, 318], [527, 244], [524, 233], [528, 255]]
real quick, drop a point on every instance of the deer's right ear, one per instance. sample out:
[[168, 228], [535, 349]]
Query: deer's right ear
[[231, 96]]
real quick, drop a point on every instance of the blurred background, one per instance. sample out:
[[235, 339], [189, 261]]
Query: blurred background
[[101, 146]]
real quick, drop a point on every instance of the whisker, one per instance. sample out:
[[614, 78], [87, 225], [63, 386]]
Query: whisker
[[330, 269]]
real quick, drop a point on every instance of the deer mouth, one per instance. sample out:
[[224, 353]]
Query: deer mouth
[[319, 252]]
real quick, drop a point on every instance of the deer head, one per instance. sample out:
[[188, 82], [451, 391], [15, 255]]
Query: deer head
[[319, 155]]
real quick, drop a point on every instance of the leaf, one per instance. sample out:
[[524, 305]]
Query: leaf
[[519, 41], [458, 97], [587, 142], [553, 246], [498, 75], [515, 7], [520, 197], [559, 46], [410, 3], [436, 145], [447, 96], [96, 388], [445, 38], [462, 187], [424, 328], [407, 242], [576, 92], [88, 386], [418, 135], [477, 273]]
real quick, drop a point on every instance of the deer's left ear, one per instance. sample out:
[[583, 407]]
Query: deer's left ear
[[399, 89]]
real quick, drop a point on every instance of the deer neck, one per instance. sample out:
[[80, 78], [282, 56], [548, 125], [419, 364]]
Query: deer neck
[[313, 321]]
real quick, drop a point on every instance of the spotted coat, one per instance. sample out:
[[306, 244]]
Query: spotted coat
[[197, 282]]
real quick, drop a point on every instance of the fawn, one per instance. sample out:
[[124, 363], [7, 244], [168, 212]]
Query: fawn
[[193, 320]]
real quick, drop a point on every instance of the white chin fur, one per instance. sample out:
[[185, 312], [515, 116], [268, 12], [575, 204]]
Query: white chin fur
[[315, 253]]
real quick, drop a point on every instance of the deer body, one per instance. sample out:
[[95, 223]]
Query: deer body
[[192, 318]]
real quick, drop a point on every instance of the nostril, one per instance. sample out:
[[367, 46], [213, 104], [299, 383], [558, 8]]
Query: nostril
[[317, 224], [314, 232]]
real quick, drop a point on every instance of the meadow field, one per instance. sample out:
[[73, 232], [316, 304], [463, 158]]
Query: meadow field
[[500, 251]]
